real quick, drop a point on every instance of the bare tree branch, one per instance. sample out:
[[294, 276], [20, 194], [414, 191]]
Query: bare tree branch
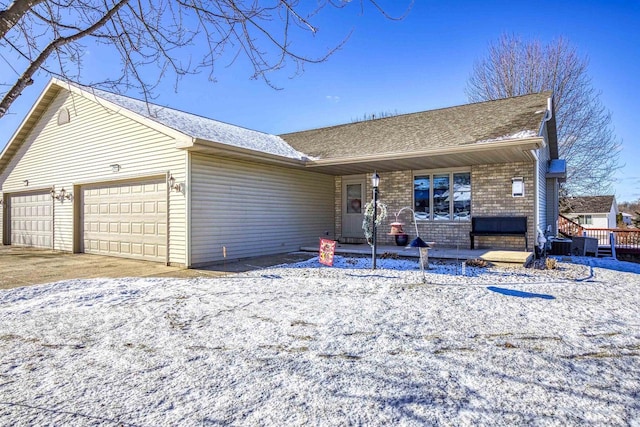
[[155, 39], [26, 78], [12, 15], [586, 138]]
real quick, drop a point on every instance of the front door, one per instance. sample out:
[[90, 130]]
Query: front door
[[353, 201]]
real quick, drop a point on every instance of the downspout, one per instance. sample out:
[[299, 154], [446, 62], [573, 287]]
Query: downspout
[[556, 184], [536, 194], [548, 115]]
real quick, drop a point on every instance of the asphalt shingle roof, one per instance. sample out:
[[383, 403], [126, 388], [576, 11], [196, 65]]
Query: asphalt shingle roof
[[587, 204], [202, 127], [516, 117]]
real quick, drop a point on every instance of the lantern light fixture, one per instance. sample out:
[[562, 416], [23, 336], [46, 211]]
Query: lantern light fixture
[[173, 185], [375, 180], [61, 195]]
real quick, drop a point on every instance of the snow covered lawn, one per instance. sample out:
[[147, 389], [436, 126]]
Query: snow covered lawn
[[305, 344]]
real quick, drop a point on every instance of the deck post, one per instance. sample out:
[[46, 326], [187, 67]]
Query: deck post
[[612, 240]]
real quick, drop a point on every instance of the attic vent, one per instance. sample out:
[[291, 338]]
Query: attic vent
[[63, 116]]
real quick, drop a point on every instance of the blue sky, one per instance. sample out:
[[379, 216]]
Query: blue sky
[[416, 64]]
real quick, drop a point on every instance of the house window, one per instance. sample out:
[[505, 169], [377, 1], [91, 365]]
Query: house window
[[354, 198], [585, 220], [442, 196]]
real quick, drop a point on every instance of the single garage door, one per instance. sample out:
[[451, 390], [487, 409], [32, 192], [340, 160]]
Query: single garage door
[[126, 219], [31, 219]]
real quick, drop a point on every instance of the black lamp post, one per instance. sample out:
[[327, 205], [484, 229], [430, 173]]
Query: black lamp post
[[375, 182]]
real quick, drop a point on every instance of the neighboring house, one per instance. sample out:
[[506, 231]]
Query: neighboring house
[[591, 211], [627, 219], [90, 171]]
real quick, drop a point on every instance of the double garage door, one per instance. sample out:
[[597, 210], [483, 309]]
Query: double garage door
[[119, 219], [125, 219]]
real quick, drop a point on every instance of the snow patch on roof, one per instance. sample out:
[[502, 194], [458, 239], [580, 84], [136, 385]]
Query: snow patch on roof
[[204, 128], [523, 134]]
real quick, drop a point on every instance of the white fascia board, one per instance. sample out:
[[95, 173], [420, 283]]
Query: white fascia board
[[24, 122], [531, 143]]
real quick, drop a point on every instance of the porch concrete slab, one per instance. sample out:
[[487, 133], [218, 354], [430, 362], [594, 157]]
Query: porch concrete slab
[[436, 252]]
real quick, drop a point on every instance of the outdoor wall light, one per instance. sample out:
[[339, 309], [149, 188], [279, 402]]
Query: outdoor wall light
[[61, 195], [173, 185], [115, 167], [517, 186], [26, 182]]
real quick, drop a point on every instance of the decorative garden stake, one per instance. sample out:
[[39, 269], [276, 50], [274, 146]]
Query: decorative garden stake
[[423, 247]]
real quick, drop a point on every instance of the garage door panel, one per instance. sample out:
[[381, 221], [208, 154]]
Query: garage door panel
[[127, 219], [31, 220]]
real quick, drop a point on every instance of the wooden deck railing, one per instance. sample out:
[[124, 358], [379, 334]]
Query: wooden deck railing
[[626, 240], [569, 227]]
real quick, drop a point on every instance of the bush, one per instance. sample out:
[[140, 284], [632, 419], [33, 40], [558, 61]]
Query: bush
[[551, 263], [390, 255], [476, 262]]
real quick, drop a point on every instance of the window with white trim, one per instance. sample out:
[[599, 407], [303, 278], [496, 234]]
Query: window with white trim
[[442, 196], [585, 220]]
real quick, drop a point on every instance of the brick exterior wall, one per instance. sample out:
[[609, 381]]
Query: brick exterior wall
[[490, 195]]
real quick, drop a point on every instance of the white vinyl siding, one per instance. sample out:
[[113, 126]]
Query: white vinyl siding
[[249, 209], [553, 206], [81, 152], [541, 187], [31, 219]]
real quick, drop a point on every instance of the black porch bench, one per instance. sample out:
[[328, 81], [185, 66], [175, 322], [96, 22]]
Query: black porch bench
[[499, 226]]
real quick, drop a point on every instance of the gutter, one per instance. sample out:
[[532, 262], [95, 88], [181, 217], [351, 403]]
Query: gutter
[[536, 142], [536, 195]]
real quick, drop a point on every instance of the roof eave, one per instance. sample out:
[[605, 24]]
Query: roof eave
[[525, 144], [181, 138], [225, 150], [53, 88], [32, 117]]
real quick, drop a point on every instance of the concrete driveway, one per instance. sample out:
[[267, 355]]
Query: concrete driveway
[[27, 266]]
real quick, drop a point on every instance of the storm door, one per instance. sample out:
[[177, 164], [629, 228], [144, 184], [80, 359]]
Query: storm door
[[353, 201]]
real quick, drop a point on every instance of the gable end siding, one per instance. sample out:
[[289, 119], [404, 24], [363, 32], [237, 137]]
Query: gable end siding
[[81, 152]]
